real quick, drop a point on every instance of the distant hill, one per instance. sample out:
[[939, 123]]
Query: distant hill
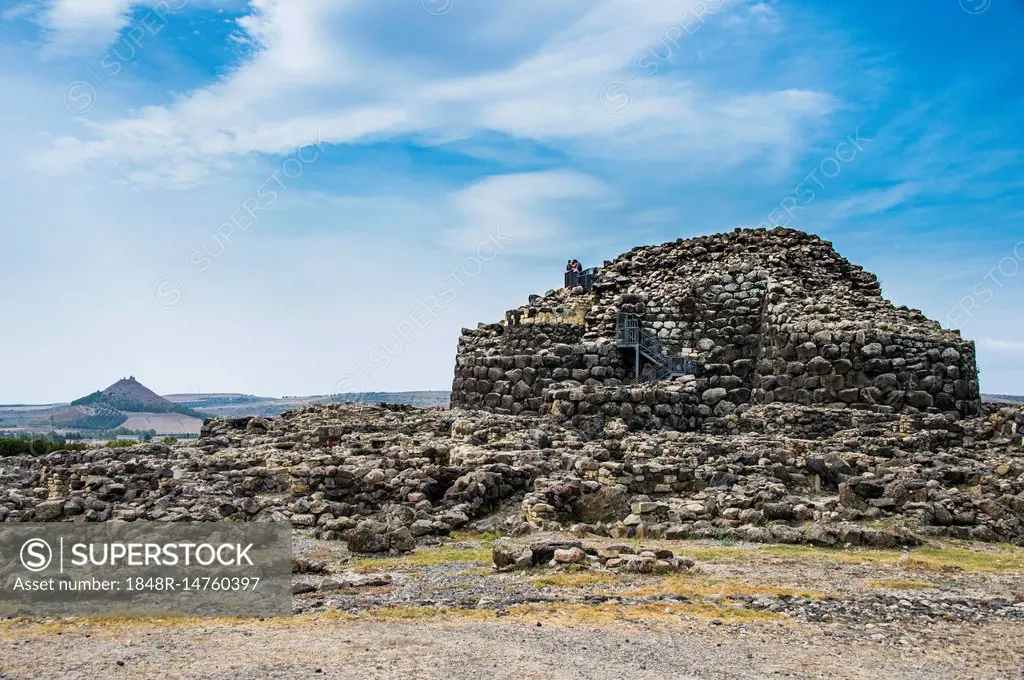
[[131, 396], [127, 404], [241, 405], [996, 398]]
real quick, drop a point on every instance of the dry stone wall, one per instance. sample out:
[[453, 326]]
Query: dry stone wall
[[509, 369], [867, 368], [673, 405]]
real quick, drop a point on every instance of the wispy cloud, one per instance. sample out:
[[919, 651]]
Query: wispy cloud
[[873, 201], [535, 210], [306, 74], [19, 11]]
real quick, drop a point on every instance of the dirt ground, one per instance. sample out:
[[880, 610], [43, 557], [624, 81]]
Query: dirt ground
[[744, 611]]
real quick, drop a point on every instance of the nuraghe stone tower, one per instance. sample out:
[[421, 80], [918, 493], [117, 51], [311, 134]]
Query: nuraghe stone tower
[[685, 334]]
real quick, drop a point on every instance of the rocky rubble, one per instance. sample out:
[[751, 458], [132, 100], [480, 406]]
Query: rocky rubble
[[797, 475], [381, 476], [384, 477], [510, 554], [879, 610]]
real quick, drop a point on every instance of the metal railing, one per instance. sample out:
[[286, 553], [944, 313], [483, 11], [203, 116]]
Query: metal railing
[[684, 365], [584, 278], [650, 346], [653, 373], [631, 335], [627, 330]]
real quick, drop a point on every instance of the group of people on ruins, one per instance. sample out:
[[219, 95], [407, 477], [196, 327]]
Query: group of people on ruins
[[574, 267]]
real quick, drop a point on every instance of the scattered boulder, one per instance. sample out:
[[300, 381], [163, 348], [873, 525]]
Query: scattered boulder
[[507, 553], [369, 537]]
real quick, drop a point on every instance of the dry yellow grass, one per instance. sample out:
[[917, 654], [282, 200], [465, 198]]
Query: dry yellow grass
[[426, 557], [568, 614], [411, 613], [900, 585], [943, 557], [123, 623], [484, 538], [715, 553], [727, 614], [614, 613], [989, 559]]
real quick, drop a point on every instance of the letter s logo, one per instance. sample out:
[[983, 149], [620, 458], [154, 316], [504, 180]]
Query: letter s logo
[[36, 554]]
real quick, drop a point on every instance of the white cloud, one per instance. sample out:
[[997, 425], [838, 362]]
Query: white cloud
[[81, 25], [530, 209], [308, 74]]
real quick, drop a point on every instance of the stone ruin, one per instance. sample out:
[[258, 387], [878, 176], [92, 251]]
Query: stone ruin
[[752, 385], [730, 321]]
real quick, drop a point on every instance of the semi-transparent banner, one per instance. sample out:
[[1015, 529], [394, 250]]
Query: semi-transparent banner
[[145, 569]]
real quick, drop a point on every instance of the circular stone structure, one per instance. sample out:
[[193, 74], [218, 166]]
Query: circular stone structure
[[755, 316]]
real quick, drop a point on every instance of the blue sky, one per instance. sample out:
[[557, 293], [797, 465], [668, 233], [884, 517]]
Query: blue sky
[[309, 196]]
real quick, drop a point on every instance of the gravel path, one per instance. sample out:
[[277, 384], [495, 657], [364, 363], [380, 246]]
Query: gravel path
[[345, 649]]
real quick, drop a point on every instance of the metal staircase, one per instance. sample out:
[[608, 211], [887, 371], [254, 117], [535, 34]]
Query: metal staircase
[[631, 335]]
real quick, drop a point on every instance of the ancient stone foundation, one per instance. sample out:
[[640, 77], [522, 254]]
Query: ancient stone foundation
[[384, 477]]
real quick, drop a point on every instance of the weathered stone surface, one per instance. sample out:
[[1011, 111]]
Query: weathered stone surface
[[569, 555], [604, 504], [49, 510], [507, 553], [369, 537]]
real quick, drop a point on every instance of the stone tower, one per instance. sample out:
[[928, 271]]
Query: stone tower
[[764, 315]]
